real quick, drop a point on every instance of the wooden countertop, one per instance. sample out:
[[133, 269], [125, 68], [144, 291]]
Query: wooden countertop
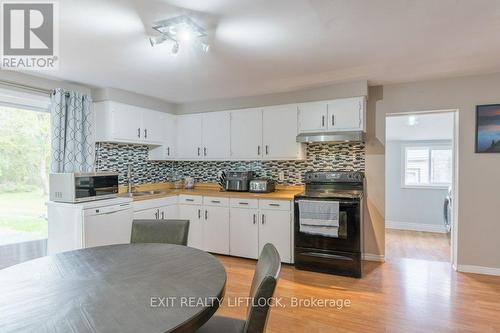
[[210, 189]]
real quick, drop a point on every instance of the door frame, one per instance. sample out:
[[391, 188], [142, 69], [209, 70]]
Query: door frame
[[455, 183]]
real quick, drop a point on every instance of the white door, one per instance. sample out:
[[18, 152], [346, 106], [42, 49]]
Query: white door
[[107, 225], [216, 135], [147, 214], [280, 132], [189, 136], [216, 229], [193, 213], [246, 134], [312, 117], [274, 228], [244, 233], [127, 123], [153, 123], [345, 114]]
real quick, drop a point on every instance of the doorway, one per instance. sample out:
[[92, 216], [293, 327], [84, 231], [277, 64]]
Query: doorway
[[24, 172], [420, 160]]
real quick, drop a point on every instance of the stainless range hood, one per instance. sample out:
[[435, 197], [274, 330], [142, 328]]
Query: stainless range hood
[[331, 137]]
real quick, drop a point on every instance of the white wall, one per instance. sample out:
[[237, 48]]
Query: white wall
[[410, 208]]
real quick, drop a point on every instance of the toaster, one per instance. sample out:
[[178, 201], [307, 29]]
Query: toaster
[[262, 185]]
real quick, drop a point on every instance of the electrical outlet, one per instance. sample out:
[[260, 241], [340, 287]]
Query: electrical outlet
[[281, 176]]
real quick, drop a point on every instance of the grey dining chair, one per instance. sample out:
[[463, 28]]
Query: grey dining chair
[[263, 285], [160, 231]]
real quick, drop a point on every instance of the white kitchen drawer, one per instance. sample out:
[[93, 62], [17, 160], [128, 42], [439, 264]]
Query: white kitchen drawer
[[154, 203], [185, 199], [244, 203], [275, 204], [216, 201]]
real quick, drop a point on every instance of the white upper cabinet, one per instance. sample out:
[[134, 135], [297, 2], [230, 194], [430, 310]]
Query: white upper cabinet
[[246, 134], [216, 135], [118, 122], [169, 132], [153, 125], [189, 136], [344, 114], [280, 129], [313, 117]]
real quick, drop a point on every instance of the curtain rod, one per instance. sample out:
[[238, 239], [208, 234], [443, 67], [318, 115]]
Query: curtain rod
[[26, 87]]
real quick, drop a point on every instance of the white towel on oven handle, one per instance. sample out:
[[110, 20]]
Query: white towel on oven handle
[[322, 231], [319, 213]]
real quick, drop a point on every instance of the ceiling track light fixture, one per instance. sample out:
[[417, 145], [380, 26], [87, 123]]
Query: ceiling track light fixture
[[182, 31]]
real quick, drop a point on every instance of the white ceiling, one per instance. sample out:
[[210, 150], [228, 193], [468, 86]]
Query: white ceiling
[[438, 126], [266, 46]]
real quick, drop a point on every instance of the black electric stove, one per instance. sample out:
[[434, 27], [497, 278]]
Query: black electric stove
[[340, 255]]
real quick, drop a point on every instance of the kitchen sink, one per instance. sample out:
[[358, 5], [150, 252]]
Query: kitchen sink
[[142, 193]]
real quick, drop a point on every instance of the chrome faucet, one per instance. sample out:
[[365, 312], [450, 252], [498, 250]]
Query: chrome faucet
[[129, 178]]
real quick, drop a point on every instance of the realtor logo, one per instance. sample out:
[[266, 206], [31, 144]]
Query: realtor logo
[[29, 35]]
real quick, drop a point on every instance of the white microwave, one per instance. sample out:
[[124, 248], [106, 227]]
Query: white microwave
[[82, 187]]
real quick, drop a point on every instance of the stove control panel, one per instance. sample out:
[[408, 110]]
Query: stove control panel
[[333, 177]]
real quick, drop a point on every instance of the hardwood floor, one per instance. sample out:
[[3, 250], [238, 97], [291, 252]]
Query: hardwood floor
[[417, 245], [404, 295]]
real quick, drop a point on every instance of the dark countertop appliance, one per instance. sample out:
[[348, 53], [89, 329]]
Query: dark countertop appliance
[[328, 231], [238, 181]]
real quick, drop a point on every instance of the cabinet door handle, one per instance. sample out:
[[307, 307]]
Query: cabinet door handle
[[145, 133], [206, 214], [162, 215], [254, 218], [205, 151], [267, 150], [243, 203], [322, 121], [198, 151], [190, 200], [258, 150], [199, 213], [333, 120], [168, 151], [263, 219], [139, 132], [274, 205], [156, 214], [215, 201]]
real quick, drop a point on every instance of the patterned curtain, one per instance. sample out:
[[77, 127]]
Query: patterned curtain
[[72, 138]]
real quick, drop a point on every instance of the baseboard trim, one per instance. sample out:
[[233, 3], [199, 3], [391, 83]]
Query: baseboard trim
[[479, 270], [415, 226], [373, 257]]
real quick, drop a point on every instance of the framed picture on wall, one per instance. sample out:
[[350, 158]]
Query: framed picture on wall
[[488, 128]]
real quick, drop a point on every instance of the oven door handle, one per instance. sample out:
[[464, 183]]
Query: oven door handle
[[326, 256]]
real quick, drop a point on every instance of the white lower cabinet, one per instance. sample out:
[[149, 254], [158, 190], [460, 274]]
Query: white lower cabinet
[[193, 213], [156, 209], [238, 227], [251, 228], [244, 233], [275, 228], [216, 229]]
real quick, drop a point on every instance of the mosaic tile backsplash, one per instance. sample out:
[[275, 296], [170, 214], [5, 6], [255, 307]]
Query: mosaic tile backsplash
[[320, 156]]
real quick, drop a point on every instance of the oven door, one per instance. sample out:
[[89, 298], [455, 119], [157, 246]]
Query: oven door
[[349, 228], [94, 187]]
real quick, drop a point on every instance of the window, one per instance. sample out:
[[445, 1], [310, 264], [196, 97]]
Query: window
[[427, 166]]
